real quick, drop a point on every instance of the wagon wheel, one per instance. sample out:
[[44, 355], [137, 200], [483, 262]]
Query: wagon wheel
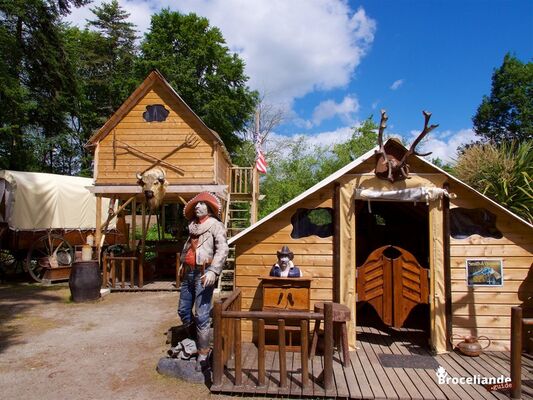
[[49, 251]]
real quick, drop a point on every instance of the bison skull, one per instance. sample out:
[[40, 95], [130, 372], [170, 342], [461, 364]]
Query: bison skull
[[154, 185]]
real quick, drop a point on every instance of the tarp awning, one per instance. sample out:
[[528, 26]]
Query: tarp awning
[[417, 194], [38, 201]]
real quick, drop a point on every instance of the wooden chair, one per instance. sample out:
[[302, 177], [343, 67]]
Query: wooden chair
[[341, 314]]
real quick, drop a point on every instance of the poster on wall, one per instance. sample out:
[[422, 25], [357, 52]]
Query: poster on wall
[[484, 272]]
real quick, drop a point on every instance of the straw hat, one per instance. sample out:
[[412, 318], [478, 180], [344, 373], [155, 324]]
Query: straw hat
[[286, 252], [210, 199]]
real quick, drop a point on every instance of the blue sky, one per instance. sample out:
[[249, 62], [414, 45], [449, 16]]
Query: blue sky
[[330, 64]]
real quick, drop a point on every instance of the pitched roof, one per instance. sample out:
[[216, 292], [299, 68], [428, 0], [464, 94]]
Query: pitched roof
[[347, 168], [154, 77]]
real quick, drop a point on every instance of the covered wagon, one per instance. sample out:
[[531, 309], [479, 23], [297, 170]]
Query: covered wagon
[[43, 217]]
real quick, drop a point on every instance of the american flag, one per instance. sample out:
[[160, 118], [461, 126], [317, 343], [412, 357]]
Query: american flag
[[260, 161]]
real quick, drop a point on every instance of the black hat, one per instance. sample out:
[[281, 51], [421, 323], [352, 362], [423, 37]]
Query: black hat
[[286, 252]]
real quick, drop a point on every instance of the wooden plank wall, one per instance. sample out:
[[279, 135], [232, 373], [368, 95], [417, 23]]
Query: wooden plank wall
[[487, 310], [157, 139], [256, 253]]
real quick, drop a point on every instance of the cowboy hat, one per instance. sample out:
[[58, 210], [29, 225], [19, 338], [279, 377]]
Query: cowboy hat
[[286, 252], [209, 199]]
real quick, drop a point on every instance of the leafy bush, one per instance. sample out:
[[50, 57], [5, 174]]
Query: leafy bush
[[503, 173]]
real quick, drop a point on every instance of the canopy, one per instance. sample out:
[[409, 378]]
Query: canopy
[[37, 201]]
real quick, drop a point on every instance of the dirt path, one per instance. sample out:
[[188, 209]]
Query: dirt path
[[52, 348]]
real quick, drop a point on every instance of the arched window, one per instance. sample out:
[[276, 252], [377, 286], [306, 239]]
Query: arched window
[[155, 113], [315, 221]]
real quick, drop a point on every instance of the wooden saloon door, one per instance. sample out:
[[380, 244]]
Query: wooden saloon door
[[393, 282]]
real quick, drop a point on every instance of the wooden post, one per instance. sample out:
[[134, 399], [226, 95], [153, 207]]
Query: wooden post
[[261, 352], [104, 271], [516, 352], [328, 346], [238, 353], [255, 195], [238, 345], [133, 223], [98, 232], [304, 341], [282, 354], [218, 367]]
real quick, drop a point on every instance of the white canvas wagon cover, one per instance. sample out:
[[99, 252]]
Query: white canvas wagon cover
[[37, 201]]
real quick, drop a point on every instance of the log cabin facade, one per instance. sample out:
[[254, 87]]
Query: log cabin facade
[[334, 232]]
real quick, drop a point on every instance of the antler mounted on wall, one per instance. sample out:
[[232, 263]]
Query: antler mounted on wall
[[391, 163]]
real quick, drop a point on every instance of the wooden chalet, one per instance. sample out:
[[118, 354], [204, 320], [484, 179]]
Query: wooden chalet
[[428, 252], [154, 127]]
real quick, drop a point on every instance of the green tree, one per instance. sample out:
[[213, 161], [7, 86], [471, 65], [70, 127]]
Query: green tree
[[37, 85], [507, 114], [295, 166], [363, 139], [502, 172], [289, 174], [117, 53], [193, 57], [104, 60]]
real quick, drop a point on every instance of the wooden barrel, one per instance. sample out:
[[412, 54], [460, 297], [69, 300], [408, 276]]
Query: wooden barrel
[[85, 281]]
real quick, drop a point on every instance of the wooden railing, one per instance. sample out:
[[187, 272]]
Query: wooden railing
[[110, 265], [227, 318], [517, 324], [241, 180]]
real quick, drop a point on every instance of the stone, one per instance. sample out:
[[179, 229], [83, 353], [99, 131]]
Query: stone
[[184, 369]]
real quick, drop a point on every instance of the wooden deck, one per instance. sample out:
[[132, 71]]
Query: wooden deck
[[369, 377]]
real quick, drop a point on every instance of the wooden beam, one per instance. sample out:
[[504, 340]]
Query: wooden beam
[[220, 190]]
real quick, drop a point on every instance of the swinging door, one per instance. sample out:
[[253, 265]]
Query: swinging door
[[393, 282]]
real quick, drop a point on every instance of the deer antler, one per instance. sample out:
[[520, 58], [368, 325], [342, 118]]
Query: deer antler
[[425, 131], [386, 159], [382, 126]]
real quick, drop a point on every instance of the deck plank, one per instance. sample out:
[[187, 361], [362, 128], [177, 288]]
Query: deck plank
[[398, 375], [249, 369], [340, 380], [351, 381], [318, 385], [473, 368], [372, 377], [400, 345], [358, 371], [457, 370]]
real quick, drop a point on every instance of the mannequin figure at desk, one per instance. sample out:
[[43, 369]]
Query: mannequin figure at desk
[[285, 268]]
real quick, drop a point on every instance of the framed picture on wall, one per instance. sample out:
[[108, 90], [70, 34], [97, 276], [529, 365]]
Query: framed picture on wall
[[484, 272]]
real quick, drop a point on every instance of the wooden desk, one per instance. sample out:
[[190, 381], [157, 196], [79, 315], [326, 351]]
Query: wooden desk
[[285, 294]]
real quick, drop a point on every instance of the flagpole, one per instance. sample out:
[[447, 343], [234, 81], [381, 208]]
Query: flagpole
[[255, 177]]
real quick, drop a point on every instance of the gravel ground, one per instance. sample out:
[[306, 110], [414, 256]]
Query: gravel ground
[[53, 348]]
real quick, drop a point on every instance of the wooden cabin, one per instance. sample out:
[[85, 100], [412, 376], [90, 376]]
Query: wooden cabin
[[465, 260], [154, 127]]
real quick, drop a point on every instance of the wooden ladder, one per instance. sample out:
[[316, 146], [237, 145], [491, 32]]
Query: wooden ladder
[[241, 212]]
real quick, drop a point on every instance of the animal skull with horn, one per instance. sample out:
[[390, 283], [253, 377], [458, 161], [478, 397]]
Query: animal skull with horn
[[154, 185], [392, 164]]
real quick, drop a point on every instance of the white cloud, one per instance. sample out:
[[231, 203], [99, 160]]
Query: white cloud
[[396, 84], [329, 109], [444, 145], [291, 48], [323, 139]]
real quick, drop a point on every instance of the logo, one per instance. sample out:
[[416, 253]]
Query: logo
[[491, 383]]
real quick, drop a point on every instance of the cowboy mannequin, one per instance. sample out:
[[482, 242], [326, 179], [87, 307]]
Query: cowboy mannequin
[[285, 268], [202, 259]]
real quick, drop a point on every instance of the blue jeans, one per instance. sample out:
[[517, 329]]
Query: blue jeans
[[193, 294]]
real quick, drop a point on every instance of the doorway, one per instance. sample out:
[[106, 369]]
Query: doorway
[[392, 260]]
